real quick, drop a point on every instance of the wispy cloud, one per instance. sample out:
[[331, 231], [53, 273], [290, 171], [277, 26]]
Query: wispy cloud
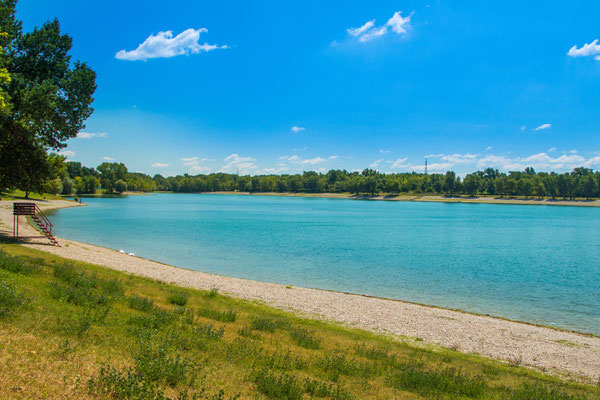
[[382, 151], [164, 45], [333, 157], [236, 163], [367, 32], [90, 135], [67, 153], [297, 129], [543, 126], [488, 148], [587, 50], [375, 163], [313, 161], [107, 158], [191, 161], [199, 169], [399, 163], [160, 165]]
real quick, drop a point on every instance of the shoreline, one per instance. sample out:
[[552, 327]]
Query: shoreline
[[547, 348], [424, 198]]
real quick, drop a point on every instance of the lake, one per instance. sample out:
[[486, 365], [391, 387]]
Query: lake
[[539, 264]]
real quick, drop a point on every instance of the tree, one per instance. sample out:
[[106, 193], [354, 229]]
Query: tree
[[120, 186], [110, 173], [450, 182], [46, 99], [472, 184]]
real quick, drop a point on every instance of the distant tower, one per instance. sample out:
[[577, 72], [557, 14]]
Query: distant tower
[[425, 166]]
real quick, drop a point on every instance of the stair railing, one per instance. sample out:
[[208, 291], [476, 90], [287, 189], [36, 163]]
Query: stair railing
[[46, 221]]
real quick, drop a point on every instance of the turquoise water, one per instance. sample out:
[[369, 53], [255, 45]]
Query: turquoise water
[[532, 263]]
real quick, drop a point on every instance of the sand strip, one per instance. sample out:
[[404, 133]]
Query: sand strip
[[558, 352]]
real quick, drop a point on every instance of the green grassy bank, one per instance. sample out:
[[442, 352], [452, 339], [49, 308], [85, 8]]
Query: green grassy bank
[[76, 330]]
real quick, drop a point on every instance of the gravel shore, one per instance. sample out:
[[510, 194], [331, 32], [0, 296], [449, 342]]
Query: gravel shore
[[547, 349]]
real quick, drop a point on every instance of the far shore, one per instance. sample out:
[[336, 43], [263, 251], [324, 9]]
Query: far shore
[[430, 198], [558, 352]]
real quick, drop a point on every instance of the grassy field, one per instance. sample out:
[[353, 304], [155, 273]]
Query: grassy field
[[75, 330]]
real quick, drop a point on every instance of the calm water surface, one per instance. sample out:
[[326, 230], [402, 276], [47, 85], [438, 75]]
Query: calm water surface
[[533, 263]]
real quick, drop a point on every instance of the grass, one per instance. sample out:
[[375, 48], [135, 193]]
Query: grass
[[77, 330]]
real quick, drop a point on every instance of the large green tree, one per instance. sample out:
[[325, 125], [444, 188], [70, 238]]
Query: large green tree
[[47, 99]]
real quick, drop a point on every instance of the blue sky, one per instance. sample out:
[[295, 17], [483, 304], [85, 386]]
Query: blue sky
[[283, 87]]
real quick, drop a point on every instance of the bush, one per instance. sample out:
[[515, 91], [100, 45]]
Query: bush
[[155, 363], [120, 186], [10, 298], [264, 324], [322, 389], [209, 331], [282, 386], [178, 298]]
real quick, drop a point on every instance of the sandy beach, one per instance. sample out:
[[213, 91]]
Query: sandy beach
[[432, 198], [547, 349]]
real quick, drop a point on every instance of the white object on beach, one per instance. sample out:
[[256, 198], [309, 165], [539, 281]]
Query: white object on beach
[[132, 254], [122, 251]]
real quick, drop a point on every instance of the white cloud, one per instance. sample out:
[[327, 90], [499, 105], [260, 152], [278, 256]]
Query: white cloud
[[587, 50], [573, 151], [297, 129], [107, 158], [333, 157], [199, 169], [399, 163], [359, 31], [89, 135], [541, 161], [164, 45], [398, 23], [488, 148], [369, 31], [191, 161], [294, 158], [523, 127], [375, 163], [460, 158], [236, 163], [542, 127], [551, 149], [313, 161], [67, 153], [160, 165], [373, 33], [382, 151]]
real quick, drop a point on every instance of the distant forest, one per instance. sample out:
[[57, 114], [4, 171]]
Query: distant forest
[[115, 178]]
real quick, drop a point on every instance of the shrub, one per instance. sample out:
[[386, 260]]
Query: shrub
[[140, 303], [214, 292], [209, 331], [155, 363], [337, 364], [305, 338], [178, 298], [282, 386], [10, 298], [222, 316]]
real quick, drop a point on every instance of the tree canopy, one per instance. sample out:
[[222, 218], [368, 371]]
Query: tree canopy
[[45, 99]]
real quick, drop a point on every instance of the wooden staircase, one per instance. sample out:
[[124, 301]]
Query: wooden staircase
[[37, 216]]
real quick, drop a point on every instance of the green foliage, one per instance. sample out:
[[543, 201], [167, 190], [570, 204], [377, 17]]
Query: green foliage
[[305, 338], [277, 386], [16, 265], [327, 390], [10, 298], [264, 324], [413, 377], [222, 316], [539, 392], [47, 101], [140, 303], [179, 298], [209, 331], [156, 363]]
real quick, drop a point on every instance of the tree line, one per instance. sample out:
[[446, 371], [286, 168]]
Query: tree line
[[114, 177]]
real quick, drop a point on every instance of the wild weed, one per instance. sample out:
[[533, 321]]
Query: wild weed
[[179, 298], [305, 338], [209, 331], [264, 324], [140, 303], [330, 391], [414, 378], [16, 265], [155, 363], [539, 392], [222, 316], [10, 298], [277, 386], [337, 364], [212, 293]]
